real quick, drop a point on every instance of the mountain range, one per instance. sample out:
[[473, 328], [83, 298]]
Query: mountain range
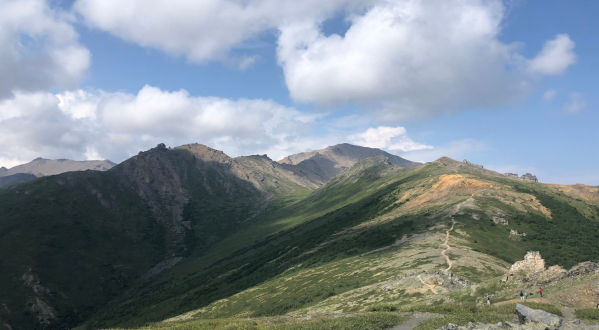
[[189, 233], [40, 167]]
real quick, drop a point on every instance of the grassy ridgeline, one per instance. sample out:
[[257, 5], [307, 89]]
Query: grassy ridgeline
[[372, 321]]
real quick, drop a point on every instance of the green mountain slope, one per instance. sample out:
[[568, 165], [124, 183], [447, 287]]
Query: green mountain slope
[[192, 233], [11, 180], [339, 248], [72, 242]]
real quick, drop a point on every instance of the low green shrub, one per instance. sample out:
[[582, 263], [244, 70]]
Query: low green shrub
[[587, 313], [383, 308]]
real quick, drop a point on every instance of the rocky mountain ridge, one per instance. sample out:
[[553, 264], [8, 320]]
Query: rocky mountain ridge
[[330, 161], [41, 167]]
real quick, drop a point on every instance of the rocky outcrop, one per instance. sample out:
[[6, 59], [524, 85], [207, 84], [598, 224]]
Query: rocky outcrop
[[472, 164], [529, 177], [532, 263], [528, 319], [527, 315], [556, 273], [454, 165], [514, 232], [524, 177]]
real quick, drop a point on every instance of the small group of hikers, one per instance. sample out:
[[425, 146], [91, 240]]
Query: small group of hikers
[[524, 295]]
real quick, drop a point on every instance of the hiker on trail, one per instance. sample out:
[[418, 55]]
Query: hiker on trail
[[521, 295], [541, 292], [525, 295], [488, 300]]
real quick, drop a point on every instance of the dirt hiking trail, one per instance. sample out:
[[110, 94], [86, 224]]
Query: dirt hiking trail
[[446, 244]]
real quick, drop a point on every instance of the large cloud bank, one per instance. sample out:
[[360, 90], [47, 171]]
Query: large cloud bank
[[401, 58], [80, 124]]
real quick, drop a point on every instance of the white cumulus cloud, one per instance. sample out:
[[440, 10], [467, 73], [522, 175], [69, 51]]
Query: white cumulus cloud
[[555, 57], [39, 48], [416, 58], [95, 124], [388, 138], [400, 58], [202, 30]]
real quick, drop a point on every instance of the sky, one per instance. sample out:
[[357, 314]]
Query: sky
[[511, 85]]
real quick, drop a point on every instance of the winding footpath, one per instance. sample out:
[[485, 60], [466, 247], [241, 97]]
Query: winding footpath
[[444, 252]]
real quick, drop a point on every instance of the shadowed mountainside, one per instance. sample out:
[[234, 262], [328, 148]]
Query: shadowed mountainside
[[11, 180]]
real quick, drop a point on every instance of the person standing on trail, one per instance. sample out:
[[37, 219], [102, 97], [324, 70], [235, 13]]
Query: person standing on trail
[[521, 295], [541, 292], [525, 295], [488, 300]]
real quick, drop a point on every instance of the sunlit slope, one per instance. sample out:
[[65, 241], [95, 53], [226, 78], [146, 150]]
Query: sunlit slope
[[339, 247]]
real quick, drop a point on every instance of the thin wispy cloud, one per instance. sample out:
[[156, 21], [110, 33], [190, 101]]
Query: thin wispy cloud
[[575, 104]]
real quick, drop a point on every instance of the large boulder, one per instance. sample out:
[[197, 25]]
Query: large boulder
[[527, 314]]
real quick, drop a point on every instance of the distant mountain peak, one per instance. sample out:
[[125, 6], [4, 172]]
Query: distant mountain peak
[[331, 160], [43, 167], [205, 153]]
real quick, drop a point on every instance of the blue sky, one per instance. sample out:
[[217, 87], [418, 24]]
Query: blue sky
[[511, 85]]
